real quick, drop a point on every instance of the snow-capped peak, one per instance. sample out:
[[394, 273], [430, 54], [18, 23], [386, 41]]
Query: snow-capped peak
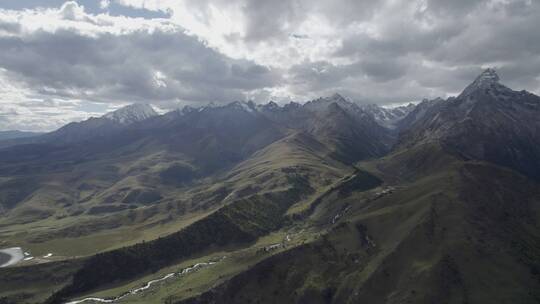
[[248, 106], [131, 113], [322, 103], [487, 78]]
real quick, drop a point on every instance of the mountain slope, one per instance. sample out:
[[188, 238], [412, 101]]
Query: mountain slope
[[101, 126], [342, 125], [488, 121], [94, 127], [446, 237], [388, 117], [131, 114], [265, 186], [426, 107]]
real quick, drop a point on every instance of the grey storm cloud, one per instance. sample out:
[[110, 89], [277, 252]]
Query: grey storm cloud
[[372, 51], [10, 27], [435, 51], [428, 48], [454, 8], [140, 66], [456, 38], [270, 19]]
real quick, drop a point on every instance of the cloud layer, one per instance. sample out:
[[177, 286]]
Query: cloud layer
[[68, 61]]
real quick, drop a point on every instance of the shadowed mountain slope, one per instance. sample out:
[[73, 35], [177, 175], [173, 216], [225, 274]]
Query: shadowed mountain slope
[[488, 121]]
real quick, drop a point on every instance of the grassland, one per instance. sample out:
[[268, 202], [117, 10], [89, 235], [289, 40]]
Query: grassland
[[295, 226]]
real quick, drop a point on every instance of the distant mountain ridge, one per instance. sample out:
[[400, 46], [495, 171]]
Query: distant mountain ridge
[[14, 134], [291, 115], [90, 128], [102, 126], [193, 143], [316, 116], [466, 123]]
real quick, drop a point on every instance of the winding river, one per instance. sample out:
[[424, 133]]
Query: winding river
[[147, 285]]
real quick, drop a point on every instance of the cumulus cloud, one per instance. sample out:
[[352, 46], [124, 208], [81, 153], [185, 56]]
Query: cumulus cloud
[[203, 51], [374, 40], [110, 67], [101, 58], [103, 4], [23, 109]]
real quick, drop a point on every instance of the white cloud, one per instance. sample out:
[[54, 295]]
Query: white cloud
[[386, 51], [22, 108], [159, 79], [287, 33], [104, 4]]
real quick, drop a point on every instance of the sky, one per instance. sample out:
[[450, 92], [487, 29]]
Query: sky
[[63, 61]]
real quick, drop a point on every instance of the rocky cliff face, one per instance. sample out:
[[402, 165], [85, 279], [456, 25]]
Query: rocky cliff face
[[487, 121]]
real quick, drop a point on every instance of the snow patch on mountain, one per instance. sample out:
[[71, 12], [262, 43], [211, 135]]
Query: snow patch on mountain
[[323, 103], [131, 114], [487, 80], [388, 116], [385, 116], [248, 106]]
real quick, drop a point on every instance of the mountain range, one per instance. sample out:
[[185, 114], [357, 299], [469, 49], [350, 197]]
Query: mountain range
[[13, 134], [328, 201]]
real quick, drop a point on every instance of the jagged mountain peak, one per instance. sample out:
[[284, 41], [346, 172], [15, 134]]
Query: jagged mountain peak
[[100, 126], [322, 103], [487, 79], [131, 113], [337, 96], [248, 106], [487, 76], [271, 105], [488, 121], [339, 99]]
